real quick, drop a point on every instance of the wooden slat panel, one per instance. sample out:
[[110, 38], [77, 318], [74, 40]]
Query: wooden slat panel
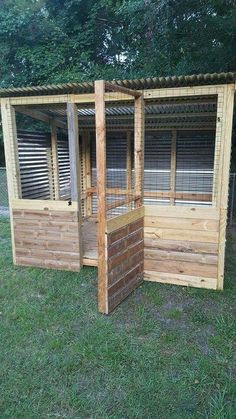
[[47, 239], [181, 246], [185, 223], [124, 258], [175, 234], [156, 254], [183, 280], [124, 219], [182, 212], [180, 267]]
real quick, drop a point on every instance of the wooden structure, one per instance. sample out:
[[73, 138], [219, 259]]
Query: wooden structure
[[129, 176]]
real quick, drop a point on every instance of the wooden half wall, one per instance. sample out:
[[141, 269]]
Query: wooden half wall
[[123, 264], [181, 245], [46, 234]]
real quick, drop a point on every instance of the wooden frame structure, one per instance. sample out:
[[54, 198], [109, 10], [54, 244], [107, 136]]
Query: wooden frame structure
[[183, 245]]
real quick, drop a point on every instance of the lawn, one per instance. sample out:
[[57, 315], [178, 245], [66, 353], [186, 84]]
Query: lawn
[[166, 352], [3, 188]]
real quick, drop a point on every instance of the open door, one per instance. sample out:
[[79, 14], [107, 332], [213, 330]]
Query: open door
[[119, 205]]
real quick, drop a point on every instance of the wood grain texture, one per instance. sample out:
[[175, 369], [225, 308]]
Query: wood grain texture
[[184, 246], [101, 192], [182, 280], [125, 249], [46, 240]]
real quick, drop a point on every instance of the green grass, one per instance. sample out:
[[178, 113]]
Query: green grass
[[166, 352], [3, 188]]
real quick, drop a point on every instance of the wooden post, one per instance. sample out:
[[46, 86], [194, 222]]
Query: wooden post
[[173, 166], [88, 172], [226, 134], [101, 193], [50, 172], [128, 166], [73, 139], [11, 149], [139, 148], [12, 159], [55, 169]]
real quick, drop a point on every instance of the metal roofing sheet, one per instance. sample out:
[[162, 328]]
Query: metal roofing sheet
[[137, 84]]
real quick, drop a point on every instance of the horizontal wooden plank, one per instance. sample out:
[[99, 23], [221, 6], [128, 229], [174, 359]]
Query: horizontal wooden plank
[[68, 256], [181, 234], [183, 280], [45, 215], [47, 244], [36, 204], [181, 246], [180, 267], [47, 263], [209, 213], [124, 219], [89, 262], [47, 235], [47, 225], [156, 254], [185, 223]]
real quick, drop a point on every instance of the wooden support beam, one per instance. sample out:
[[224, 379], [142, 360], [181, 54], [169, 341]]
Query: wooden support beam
[[101, 191], [12, 160], [40, 116], [121, 89], [11, 149], [50, 172], [121, 202], [73, 139], [226, 135], [128, 164], [55, 167], [88, 170], [173, 165], [139, 147], [186, 196]]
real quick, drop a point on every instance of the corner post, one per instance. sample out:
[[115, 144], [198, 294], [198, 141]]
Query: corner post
[[12, 160], [139, 148], [101, 192], [55, 169], [128, 166], [73, 139], [226, 135]]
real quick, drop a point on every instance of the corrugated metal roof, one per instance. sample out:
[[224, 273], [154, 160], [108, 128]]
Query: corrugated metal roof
[[137, 84]]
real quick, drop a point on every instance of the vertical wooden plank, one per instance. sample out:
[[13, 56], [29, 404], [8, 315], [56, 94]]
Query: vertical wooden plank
[[50, 172], [73, 139], [128, 165], [219, 146], [11, 149], [88, 172], [173, 165], [139, 147], [101, 193], [55, 168], [227, 123], [12, 160]]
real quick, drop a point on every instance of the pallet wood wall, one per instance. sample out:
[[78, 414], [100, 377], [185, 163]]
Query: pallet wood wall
[[181, 245], [47, 238], [125, 248]]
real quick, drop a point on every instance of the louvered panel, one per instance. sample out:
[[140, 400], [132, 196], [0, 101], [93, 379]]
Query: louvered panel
[[63, 167], [33, 160], [157, 161], [116, 174], [195, 161]]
